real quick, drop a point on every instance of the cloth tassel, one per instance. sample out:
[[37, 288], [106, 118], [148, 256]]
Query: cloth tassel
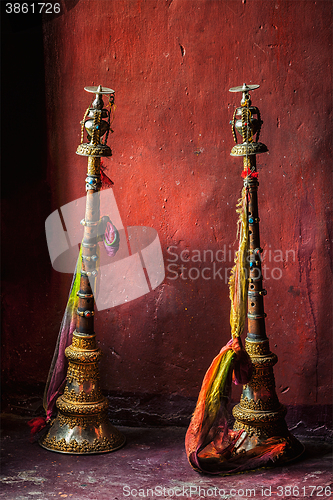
[[111, 240], [208, 432], [37, 425], [106, 181]]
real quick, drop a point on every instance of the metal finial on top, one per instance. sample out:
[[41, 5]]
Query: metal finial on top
[[95, 125], [244, 88], [247, 122], [99, 90]]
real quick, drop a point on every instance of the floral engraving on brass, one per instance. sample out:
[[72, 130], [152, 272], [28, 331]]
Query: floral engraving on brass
[[251, 148], [83, 356], [98, 150], [82, 396], [257, 348], [82, 422], [264, 360], [88, 343], [258, 417], [263, 432], [81, 372], [80, 408], [93, 166], [259, 404]]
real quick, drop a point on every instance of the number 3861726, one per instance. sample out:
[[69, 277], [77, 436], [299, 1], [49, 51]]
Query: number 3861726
[[34, 7]]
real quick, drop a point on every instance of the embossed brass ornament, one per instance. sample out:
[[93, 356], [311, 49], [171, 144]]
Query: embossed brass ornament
[[259, 411], [82, 425], [247, 122]]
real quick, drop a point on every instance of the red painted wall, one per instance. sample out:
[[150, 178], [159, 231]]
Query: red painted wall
[[171, 64]]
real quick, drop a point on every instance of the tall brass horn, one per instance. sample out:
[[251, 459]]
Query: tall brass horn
[[82, 425]]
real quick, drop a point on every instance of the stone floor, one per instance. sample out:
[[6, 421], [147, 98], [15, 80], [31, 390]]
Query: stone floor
[[151, 465]]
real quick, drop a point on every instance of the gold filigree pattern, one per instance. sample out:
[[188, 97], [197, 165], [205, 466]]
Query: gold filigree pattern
[[257, 348], [94, 165], [82, 396], [83, 409], [96, 128], [258, 417], [83, 356], [262, 378], [264, 431], [270, 360], [97, 150], [259, 405], [80, 342], [83, 422], [248, 148], [81, 447], [82, 372]]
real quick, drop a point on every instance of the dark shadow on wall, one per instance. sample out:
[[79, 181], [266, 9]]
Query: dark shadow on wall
[[25, 194]]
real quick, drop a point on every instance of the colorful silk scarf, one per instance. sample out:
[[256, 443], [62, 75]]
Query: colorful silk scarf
[[210, 445], [208, 439]]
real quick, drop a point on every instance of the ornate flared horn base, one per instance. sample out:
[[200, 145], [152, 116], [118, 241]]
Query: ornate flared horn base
[[259, 412], [82, 426], [89, 435]]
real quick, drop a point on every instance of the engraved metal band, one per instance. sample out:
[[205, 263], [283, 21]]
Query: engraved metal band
[[88, 223], [83, 336], [93, 182], [86, 313], [255, 293], [85, 295], [93, 177], [256, 316], [88, 245], [90, 257], [89, 273]]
